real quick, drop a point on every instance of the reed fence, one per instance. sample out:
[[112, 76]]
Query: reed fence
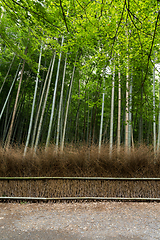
[[79, 188]]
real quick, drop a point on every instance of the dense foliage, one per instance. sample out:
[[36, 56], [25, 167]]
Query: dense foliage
[[110, 47]]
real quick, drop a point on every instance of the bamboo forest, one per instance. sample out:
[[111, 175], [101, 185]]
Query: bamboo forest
[[80, 77]]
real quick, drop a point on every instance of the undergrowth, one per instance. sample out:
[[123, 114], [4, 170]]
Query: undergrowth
[[80, 161]]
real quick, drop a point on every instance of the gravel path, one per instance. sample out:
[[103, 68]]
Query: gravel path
[[83, 220]]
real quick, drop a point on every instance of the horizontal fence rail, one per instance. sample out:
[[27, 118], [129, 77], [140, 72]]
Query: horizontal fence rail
[[80, 178], [79, 188], [80, 198]]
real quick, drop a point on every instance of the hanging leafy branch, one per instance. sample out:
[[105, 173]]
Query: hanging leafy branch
[[151, 48]]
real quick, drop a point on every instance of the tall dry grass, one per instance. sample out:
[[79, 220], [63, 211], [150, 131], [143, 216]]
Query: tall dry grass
[[80, 161]]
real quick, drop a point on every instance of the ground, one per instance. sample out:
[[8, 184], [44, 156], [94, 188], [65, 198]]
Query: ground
[[80, 220]]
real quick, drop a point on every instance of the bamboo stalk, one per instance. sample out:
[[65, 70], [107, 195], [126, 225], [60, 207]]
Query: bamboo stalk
[[101, 125], [60, 104], [54, 98], [40, 104], [154, 115], [119, 113], [68, 102], [112, 111], [10, 90], [7, 143], [33, 104]]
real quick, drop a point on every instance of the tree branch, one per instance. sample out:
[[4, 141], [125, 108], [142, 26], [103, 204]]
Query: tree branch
[[149, 56], [118, 27], [29, 10], [64, 17]]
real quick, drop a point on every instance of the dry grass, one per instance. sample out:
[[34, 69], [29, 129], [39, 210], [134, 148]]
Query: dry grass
[[80, 161]]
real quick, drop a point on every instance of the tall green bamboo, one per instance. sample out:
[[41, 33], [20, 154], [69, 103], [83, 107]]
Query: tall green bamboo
[[40, 104], [127, 106], [101, 125], [154, 114], [44, 104], [112, 110], [8, 72], [54, 99], [130, 115], [33, 104], [15, 77], [67, 107], [7, 143], [158, 143], [60, 104], [119, 112]]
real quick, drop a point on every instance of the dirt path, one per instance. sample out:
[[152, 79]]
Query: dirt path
[[74, 221]]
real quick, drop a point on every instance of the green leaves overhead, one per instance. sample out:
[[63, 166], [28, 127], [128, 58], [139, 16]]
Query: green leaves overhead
[[100, 33], [88, 24]]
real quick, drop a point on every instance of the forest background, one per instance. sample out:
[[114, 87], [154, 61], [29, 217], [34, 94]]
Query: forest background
[[80, 73]]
